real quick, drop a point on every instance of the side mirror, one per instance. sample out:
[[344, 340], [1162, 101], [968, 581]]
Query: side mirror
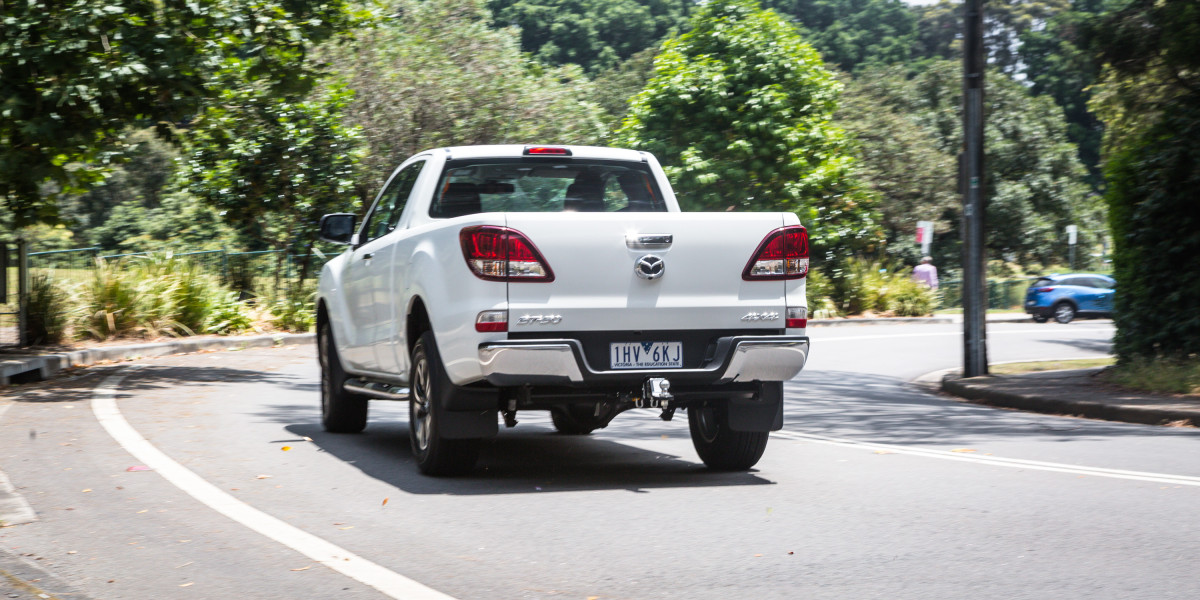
[[337, 228]]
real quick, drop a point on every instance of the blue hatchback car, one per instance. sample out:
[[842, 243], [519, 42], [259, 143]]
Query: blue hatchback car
[[1065, 297]]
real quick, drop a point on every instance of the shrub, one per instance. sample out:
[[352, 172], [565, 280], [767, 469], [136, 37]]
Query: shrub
[[52, 309], [868, 286], [157, 295], [294, 311]]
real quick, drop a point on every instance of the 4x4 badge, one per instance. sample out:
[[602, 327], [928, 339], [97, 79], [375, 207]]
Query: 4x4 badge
[[649, 267]]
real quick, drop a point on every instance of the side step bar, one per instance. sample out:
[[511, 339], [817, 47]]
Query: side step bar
[[379, 391]]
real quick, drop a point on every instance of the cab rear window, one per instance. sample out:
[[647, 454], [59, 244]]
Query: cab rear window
[[540, 185]]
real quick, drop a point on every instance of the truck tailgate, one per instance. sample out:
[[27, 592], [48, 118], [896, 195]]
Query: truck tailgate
[[596, 287]]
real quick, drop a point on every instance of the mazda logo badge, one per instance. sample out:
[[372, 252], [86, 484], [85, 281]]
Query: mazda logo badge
[[649, 267]]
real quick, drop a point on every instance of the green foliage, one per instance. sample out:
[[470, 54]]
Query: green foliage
[[158, 295], [855, 33], [273, 166], [1033, 182], [739, 111], [51, 310], [594, 34], [438, 75], [1150, 101], [295, 309], [227, 314], [78, 72], [864, 286]]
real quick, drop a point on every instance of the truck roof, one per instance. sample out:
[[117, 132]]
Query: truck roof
[[518, 150]]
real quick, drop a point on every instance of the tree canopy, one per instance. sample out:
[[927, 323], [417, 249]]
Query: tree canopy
[[855, 33], [80, 72], [437, 75], [594, 34], [739, 111]]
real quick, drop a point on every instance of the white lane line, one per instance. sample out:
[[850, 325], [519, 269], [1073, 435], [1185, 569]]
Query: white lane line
[[104, 405], [1077, 330], [996, 461]]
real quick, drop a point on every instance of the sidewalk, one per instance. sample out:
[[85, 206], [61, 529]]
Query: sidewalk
[[1076, 392]]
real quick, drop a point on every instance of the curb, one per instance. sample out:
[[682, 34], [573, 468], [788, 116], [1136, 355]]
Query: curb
[[38, 368], [958, 386]]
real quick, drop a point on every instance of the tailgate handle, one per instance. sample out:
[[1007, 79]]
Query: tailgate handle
[[651, 241]]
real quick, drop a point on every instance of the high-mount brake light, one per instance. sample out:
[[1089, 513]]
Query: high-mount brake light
[[496, 253], [547, 151], [783, 254]]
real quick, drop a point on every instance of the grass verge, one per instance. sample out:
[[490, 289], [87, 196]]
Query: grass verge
[[1050, 365]]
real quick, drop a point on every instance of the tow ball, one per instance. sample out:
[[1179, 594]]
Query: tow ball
[[656, 393]]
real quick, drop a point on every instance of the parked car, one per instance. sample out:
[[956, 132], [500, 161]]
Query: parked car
[[1065, 297]]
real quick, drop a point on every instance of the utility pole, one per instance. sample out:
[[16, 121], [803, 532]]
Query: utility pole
[[974, 204]]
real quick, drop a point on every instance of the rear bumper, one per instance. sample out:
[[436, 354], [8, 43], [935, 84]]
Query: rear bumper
[[562, 362]]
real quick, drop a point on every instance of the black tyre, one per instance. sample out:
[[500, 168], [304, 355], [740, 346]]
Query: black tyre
[[1040, 319], [341, 411], [575, 420], [722, 448], [435, 454], [1064, 312]]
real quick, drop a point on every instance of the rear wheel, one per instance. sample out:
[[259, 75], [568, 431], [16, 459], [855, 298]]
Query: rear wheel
[[1064, 312], [435, 454], [341, 411], [575, 420], [720, 447]]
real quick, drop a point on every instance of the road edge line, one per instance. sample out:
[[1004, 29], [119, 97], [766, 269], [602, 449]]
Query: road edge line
[[104, 406]]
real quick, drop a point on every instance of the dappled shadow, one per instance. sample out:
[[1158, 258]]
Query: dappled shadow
[[80, 384], [889, 410], [535, 460]]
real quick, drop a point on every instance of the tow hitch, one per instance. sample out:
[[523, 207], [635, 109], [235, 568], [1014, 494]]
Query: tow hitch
[[656, 393]]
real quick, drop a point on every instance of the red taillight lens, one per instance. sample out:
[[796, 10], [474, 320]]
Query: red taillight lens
[[783, 254], [502, 254], [1045, 289], [547, 151], [490, 321], [797, 318]]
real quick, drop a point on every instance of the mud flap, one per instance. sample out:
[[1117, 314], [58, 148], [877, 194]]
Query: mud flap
[[763, 413], [468, 412]]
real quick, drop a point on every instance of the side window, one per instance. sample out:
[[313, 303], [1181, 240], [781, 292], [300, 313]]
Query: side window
[[387, 211]]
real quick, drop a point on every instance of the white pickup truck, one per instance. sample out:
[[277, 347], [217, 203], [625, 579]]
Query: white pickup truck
[[488, 280]]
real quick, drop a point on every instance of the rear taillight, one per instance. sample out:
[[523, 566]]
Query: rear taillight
[[502, 254], [797, 317], [783, 254], [491, 321], [1043, 290]]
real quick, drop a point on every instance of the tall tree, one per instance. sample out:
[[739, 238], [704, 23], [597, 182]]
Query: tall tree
[[1034, 181], [855, 33], [273, 166], [740, 112], [438, 75], [78, 72], [594, 34]]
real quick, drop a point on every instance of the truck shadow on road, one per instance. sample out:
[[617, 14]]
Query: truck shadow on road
[[530, 461]]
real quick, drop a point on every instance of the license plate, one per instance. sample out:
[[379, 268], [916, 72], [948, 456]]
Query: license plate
[[646, 355]]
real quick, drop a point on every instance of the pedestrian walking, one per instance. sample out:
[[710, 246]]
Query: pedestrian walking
[[926, 273]]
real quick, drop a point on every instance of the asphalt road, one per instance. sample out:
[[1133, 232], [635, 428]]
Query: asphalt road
[[876, 488]]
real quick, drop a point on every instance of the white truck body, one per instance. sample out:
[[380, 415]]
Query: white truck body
[[555, 335]]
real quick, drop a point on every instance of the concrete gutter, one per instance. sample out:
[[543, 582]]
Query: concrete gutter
[[20, 369]]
